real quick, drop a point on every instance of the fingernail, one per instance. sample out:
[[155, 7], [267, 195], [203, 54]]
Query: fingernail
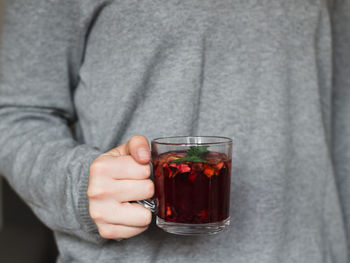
[[143, 154]]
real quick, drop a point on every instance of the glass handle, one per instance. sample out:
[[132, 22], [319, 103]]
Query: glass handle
[[151, 203]]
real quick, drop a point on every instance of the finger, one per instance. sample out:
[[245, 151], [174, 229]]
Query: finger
[[123, 167], [126, 214], [133, 190], [121, 190], [137, 147], [118, 232]]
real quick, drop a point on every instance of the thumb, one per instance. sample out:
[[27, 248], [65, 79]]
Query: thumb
[[137, 147]]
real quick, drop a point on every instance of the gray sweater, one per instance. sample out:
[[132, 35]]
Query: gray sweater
[[273, 75]]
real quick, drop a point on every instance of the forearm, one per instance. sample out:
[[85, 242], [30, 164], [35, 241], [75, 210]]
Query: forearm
[[47, 168]]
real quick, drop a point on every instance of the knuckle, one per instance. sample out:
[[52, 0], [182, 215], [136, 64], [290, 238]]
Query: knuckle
[[98, 167], [115, 152], [147, 218], [149, 188], [146, 171], [106, 232], [95, 215], [95, 192]]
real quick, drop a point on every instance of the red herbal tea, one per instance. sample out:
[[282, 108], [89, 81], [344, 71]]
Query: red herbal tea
[[192, 192]]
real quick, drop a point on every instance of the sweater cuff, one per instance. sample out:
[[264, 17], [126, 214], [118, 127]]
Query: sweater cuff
[[87, 224]]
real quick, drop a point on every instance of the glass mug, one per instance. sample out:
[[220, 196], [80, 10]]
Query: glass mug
[[192, 176]]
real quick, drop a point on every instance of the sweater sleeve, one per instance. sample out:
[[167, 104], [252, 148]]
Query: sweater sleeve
[[41, 51], [341, 104]]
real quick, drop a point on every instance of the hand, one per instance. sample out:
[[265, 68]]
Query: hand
[[116, 178]]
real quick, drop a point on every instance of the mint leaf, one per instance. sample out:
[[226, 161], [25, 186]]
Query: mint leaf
[[200, 151], [195, 154]]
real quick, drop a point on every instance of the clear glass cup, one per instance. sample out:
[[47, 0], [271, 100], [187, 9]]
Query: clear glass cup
[[192, 176]]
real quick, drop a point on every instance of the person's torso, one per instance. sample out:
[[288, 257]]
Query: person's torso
[[258, 72]]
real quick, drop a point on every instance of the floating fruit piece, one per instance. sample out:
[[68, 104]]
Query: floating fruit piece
[[180, 154], [172, 158], [168, 211], [209, 171], [173, 165], [183, 168], [219, 165]]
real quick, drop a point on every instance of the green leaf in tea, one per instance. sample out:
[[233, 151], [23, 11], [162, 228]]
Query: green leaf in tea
[[195, 154], [200, 151]]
